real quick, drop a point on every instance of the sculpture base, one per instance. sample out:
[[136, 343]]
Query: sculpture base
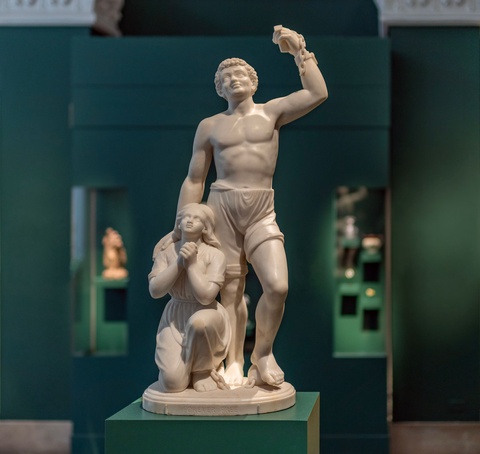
[[294, 430], [238, 401]]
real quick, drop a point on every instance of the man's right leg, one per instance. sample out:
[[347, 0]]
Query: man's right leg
[[233, 301], [232, 292]]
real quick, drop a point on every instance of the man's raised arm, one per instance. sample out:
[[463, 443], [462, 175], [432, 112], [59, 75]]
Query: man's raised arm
[[314, 90]]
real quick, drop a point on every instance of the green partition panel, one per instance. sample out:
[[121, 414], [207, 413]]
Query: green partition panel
[[35, 180], [435, 223], [135, 115]]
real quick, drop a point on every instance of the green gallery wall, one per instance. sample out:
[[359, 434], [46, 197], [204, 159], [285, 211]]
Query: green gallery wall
[[129, 133]]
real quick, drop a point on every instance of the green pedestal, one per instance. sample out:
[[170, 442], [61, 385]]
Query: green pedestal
[[295, 430]]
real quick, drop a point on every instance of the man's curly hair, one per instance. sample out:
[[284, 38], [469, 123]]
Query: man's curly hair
[[234, 62]]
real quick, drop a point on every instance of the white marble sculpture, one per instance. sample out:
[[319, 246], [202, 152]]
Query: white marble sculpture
[[242, 141], [114, 256], [194, 332]]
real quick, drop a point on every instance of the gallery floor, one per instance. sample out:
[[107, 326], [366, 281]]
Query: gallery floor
[[32, 437]]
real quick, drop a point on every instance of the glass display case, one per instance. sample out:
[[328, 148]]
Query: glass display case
[[100, 315], [359, 308]]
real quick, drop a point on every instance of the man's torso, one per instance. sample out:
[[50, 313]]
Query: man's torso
[[245, 149]]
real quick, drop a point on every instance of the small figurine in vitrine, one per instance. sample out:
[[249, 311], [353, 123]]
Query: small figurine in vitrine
[[114, 256]]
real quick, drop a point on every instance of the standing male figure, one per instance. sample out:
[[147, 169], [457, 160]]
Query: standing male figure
[[243, 142]]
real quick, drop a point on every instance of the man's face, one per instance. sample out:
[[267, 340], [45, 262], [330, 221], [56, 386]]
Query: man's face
[[236, 83]]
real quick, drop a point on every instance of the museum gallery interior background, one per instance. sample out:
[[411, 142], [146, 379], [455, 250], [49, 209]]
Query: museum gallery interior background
[[402, 117]]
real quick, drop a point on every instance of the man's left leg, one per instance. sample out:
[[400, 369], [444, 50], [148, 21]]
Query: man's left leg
[[270, 264]]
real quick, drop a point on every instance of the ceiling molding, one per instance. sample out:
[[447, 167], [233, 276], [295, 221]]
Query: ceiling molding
[[448, 13], [47, 12]]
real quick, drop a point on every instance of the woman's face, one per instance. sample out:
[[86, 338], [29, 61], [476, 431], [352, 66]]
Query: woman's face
[[192, 223]]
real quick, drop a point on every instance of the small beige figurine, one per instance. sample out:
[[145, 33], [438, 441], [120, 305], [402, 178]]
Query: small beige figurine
[[114, 256], [242, 141], [194, 331]]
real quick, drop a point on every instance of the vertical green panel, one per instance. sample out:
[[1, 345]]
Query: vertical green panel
[[2, 115], [2, 121], [35, 193], [435, 223]]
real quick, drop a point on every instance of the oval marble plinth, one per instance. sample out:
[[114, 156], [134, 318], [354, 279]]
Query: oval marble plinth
[[238, 401]]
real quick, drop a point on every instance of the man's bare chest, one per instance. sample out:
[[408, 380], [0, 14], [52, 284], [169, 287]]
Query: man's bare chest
[[232, 131]]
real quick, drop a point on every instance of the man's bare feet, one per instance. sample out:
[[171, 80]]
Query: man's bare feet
[[233, 374], [265, 370]]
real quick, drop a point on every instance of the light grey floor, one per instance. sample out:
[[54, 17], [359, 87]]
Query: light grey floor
[[435, 438], [35, 437]]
